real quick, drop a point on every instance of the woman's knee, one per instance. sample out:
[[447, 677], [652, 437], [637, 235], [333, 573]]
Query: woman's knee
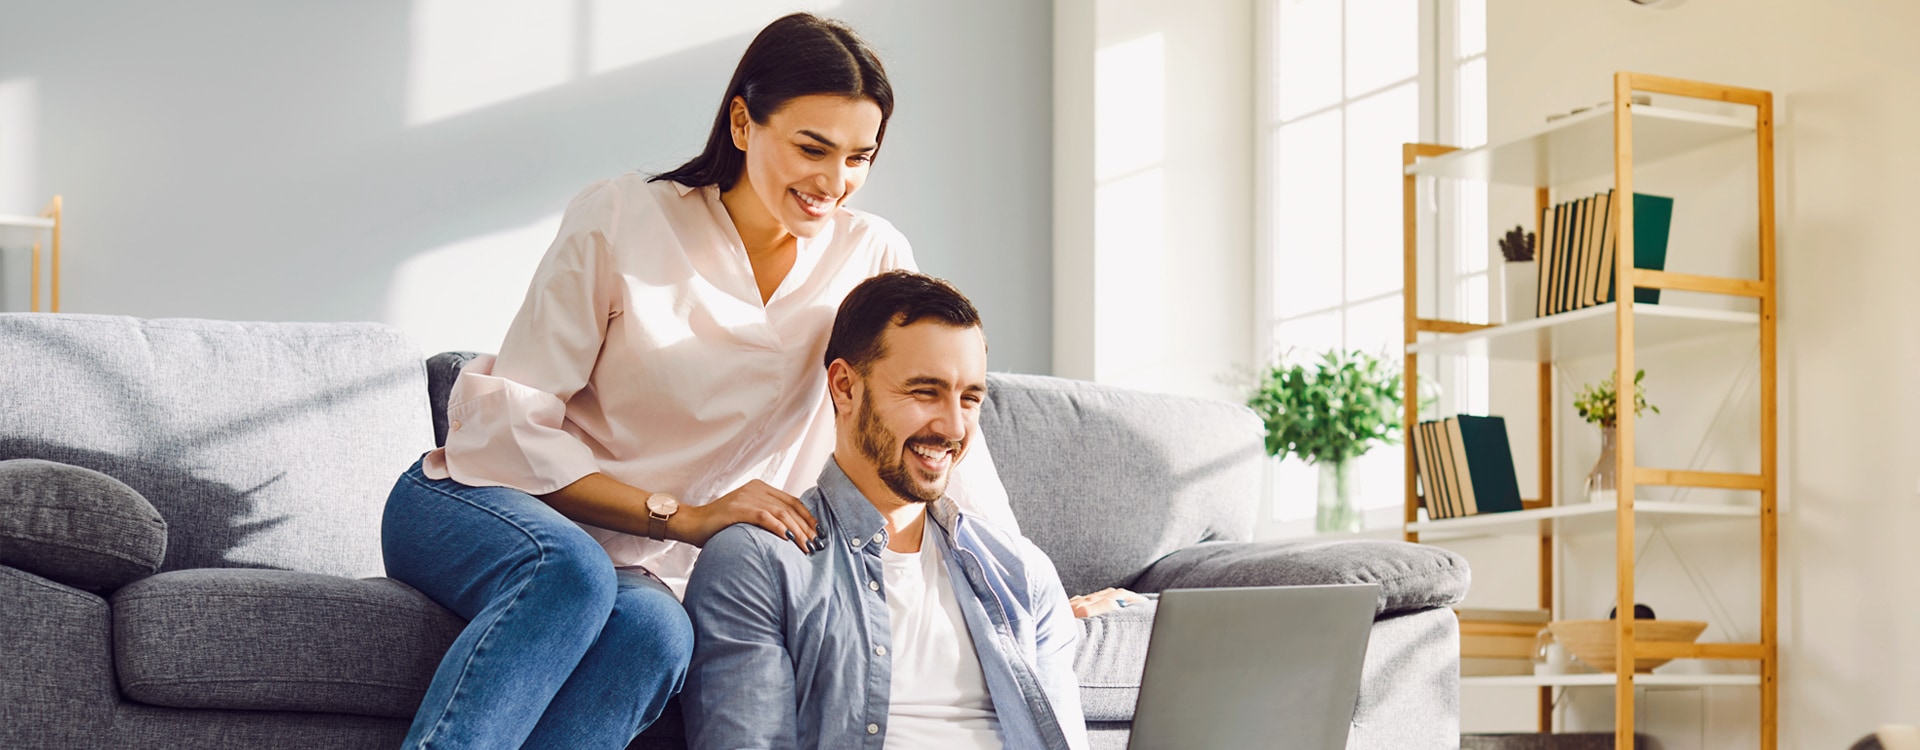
[[652, 626]]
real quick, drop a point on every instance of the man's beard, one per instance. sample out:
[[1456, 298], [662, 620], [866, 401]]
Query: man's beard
[[874, 440]]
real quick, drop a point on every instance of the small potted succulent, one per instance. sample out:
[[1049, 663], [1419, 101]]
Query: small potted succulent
[[1520, 275], [1329, 413], [1596, 404]]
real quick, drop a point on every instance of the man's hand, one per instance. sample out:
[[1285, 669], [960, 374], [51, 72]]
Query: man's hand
[[755, 502], [1103, 601]]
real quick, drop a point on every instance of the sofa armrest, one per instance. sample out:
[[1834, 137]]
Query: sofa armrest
[[442, 370], [1411, 576], [77, 526]]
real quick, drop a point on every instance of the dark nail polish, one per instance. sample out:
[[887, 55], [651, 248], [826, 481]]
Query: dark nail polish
[[789, 535]]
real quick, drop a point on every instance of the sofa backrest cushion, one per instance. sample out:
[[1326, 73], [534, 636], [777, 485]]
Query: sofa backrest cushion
[[1107, 480], [266, 445]]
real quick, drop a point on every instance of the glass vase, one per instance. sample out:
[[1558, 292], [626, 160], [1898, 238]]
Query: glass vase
[[1602, 486], [1336, 511]]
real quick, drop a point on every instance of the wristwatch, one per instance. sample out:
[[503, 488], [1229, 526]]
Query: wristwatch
[[660, 507]]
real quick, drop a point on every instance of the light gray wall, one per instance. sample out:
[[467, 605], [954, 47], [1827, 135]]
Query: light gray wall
[[255, 160]]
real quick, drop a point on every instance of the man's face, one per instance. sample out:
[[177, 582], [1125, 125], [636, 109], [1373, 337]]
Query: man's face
[[920, 407]]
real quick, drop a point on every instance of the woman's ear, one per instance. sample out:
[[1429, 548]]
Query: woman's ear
[[737, 118], [840, 382]]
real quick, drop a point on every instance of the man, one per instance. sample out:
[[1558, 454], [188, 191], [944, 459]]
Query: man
[[917, 626]]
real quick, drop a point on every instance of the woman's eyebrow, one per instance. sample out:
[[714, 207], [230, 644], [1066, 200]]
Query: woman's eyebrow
[[830, 144]]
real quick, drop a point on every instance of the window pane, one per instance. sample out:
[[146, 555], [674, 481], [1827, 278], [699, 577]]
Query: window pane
[[1382, 473], [1309, 334], [1376, 128], [1306, 215], [1471, 113], [1377, 327], [1306, 56], [1472, 35], [1383, 43], [1296, 485]]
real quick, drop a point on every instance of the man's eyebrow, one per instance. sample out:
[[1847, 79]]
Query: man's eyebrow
[[830, 144], [918, 380]]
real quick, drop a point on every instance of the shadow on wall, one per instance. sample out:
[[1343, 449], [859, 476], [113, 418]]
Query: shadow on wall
[[283, 162], [205, 519]]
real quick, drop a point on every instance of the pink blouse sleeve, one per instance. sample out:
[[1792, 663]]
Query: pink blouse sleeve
[[505, 416]]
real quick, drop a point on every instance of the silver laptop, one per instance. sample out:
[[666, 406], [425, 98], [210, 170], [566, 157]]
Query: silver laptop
[[1269, 667]]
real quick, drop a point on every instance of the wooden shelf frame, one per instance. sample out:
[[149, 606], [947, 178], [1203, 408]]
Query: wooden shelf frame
[[1531, 160], [46, 227]]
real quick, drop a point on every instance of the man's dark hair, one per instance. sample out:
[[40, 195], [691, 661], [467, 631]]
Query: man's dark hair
[[799, 55], [898, 298]]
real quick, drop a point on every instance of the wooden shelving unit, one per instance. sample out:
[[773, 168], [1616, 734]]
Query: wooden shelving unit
[[40, 231], [1613, 140]]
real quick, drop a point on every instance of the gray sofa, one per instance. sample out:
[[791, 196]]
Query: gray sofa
[[189, 537]]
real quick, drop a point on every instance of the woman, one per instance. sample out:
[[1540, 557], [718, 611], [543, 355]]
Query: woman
[[661, 382]]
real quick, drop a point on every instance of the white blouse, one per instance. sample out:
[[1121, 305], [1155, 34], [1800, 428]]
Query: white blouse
[[643, 351]]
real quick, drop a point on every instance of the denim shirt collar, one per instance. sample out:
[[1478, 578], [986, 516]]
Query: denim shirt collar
[[856, 517]]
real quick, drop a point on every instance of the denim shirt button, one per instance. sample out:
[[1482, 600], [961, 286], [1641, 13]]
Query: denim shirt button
[[879, 650], [875, 585], [873, 729], [879, 537]]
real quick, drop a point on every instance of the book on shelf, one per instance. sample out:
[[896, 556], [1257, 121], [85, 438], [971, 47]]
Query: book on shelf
[[1464, 465], [1579, 244]]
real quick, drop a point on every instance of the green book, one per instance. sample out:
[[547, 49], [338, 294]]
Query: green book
[[1494, 487], [1652, 222]]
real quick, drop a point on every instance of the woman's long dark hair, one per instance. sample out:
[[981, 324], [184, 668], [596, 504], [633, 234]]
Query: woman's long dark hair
[[798, 55]]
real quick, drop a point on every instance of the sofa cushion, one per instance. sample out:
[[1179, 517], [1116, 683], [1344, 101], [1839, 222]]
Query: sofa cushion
[[77, 526], [1111, 658], [264, 445], [278, 640], [1412, 577], [1106, 480]]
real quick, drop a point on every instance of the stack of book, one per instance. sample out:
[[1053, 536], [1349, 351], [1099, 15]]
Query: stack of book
[[1499, 641], [1465, 466], [1576, 255]]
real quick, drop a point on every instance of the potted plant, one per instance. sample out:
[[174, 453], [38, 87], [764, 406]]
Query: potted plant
[[1596, 403], [1328, 413], [1521, 279]]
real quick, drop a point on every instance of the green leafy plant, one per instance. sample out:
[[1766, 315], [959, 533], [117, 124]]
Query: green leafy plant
[[1330, 410], [1595, 402]]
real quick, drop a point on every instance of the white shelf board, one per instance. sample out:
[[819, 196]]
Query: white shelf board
[[1608, 679], [1580, 147], [1588, 332], [1576, 518], [26, 222]]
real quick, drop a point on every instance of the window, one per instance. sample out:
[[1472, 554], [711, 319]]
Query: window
[[1342, 84]]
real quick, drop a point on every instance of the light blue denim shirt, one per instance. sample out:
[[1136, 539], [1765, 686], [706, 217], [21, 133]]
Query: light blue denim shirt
[[790, 649]]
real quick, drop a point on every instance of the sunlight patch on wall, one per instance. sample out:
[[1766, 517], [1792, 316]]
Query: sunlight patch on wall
[[19, 118], [1131, 299], [462, 296], [469, 54], [626, 32]]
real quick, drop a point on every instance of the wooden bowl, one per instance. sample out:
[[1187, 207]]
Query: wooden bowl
[[1592, 641]]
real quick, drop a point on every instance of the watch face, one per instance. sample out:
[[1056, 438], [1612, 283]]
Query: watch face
[[661, 504]]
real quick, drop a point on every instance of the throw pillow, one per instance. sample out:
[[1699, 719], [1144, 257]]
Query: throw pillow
[[77, 526]]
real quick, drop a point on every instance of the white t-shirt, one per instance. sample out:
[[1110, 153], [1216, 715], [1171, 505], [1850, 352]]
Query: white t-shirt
[[939, 696]]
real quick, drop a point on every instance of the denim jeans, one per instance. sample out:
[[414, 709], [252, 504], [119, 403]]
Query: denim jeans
[[560, 651]]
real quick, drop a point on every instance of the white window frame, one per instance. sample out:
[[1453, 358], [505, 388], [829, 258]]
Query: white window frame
[[1445, 278]]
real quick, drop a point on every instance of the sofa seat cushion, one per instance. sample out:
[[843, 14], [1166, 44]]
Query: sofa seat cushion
[[1412, 577], [278, 640], [77, 526], [1111, 658]]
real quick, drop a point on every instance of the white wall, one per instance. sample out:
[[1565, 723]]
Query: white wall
[[1843, 73], [406, 161], [1153, 201]]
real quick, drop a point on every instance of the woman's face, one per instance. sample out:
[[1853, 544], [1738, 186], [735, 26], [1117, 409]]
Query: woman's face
[[809, 157]]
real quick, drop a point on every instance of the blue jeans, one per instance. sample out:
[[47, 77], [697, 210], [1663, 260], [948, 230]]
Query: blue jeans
[[561, 650]]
